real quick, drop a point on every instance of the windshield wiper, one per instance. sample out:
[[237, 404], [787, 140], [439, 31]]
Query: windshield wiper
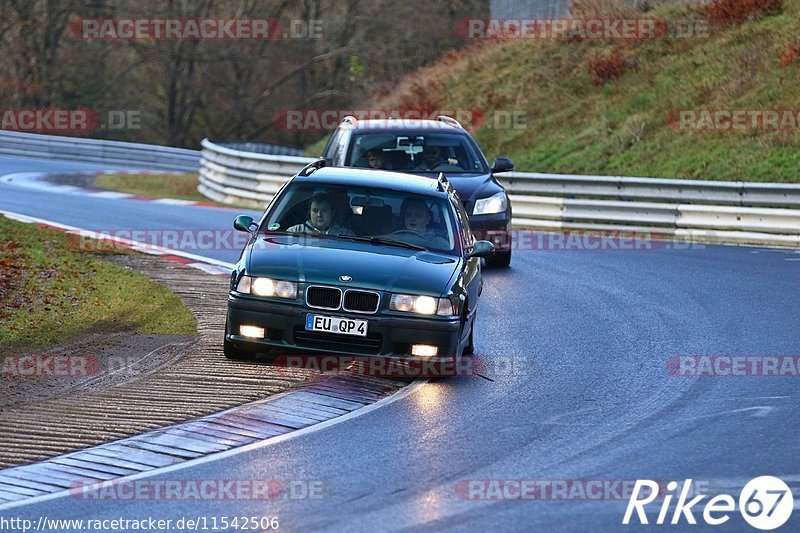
[[392, 242], [382, 240], [371, 240]]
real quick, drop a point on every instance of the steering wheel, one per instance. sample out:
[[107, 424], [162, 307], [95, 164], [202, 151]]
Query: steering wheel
[[447, 165], [409, 232]]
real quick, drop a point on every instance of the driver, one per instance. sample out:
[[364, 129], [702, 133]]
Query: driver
[[416, 216], [433, 156], [321, 215]]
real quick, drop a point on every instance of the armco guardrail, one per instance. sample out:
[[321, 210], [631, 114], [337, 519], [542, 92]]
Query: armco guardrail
[[244, 178], [737, 212], [118, 154]]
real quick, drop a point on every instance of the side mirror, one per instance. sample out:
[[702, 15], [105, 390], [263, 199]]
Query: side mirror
[[502, 164], [481, 249], [243, 223]]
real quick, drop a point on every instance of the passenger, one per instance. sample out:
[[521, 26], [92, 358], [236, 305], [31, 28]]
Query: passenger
[[321, 216], [376, 159], [416, 216]]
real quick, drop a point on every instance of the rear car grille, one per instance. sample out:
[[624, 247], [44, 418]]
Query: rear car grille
[[361, 301], [324, 297], [370, 345]]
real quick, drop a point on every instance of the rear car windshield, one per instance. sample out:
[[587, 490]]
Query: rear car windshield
[[415, 152], [365, 212]]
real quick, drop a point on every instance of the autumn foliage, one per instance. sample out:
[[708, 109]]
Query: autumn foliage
[[737, 11], [791, 55], [606, 68]]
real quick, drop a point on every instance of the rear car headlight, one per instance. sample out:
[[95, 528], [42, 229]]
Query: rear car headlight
[[267, 287], [496, 203], [421, 305]]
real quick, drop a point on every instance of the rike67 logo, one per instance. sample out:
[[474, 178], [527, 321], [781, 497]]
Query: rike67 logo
[[765, 503]]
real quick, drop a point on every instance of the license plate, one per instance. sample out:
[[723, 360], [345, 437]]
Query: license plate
[[335, 324]]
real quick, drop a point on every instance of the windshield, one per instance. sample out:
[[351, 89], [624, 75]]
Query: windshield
[[359, 213], [415, 152]]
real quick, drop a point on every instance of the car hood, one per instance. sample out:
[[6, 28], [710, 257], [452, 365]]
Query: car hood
[[313, 260], [470, 187]]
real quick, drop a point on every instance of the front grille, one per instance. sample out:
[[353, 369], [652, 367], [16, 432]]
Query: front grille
[[370, 345], [324, 297], [361, 301]]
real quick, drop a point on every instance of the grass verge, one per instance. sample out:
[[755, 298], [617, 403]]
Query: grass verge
[[181, 186], [52, 290], [624, 124]]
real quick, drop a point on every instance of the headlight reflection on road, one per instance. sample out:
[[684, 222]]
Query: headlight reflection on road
[[428, 507], [427, 397]]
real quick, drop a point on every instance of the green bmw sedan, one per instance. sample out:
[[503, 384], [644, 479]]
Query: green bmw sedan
[[357, 262]]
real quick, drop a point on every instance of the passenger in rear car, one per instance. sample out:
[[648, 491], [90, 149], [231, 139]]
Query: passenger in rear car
[[377, 159]]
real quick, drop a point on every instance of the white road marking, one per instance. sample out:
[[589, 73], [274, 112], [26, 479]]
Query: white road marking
[[174, 201], [110, 194], [759, 411], [141, 246]]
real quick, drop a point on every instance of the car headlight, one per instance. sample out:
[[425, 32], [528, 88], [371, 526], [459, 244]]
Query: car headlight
[[496, 203], [422, 305], [267, 287]]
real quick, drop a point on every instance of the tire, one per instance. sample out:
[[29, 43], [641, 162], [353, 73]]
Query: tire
[[469, 349], [232, 352], [499, 260]]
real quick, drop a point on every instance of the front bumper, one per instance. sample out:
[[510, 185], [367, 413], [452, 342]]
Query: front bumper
[[387, 336], [495, 228]]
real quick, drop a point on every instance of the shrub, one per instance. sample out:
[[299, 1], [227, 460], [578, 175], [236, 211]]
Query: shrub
[[424, 96], [606, 68], [737, 11], [791, 55]]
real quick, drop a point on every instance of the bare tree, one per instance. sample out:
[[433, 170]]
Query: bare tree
[[34, 45], [187, 89]]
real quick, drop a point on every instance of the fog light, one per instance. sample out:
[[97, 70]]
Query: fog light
[[254, 332], [424, 350]]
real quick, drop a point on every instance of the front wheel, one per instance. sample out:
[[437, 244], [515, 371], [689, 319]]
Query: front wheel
[[469, 349], [499, 259]]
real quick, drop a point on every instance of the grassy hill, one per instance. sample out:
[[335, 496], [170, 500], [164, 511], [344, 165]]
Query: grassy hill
[[619, 125]]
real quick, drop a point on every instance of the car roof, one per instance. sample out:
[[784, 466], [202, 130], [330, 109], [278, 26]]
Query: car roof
[[416, 126], [379, 179]]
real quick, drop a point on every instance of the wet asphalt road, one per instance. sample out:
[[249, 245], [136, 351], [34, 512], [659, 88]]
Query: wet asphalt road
[[576, 346]]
